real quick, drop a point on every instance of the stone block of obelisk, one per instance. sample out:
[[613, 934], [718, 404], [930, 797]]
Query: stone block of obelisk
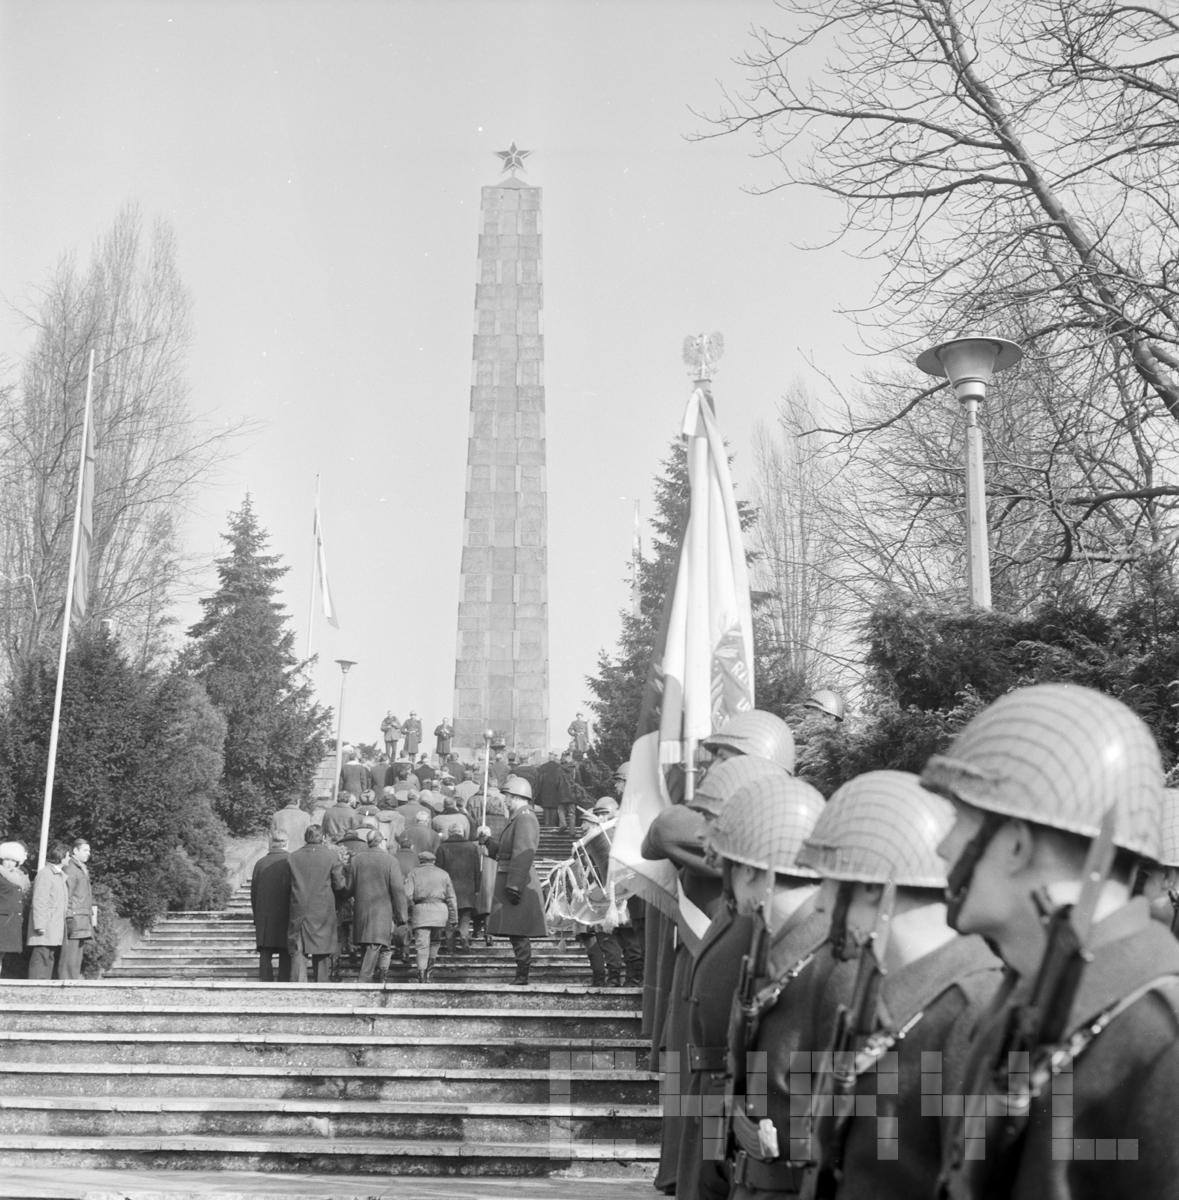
[[501, 679]]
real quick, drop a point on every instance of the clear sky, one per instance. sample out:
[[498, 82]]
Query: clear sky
[[321, 162]]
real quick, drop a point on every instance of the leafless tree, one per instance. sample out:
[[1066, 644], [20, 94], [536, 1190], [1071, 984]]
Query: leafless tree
[[131, 308], [796, 559], [992, 153]]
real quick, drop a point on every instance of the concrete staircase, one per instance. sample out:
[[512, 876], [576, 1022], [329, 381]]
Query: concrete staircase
[[177, 1061]]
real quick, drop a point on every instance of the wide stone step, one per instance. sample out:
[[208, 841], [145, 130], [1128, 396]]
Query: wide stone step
[[577, 1083], [357, 1022], [293, 1049], [242, 996], [106, 1116], [359, 1156], [489, 972]]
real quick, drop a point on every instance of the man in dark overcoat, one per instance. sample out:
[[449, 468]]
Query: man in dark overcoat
[[270, 902], [317, 876], [517, 906], [554, 794], [412, 732], [462, 860], [378, 891]]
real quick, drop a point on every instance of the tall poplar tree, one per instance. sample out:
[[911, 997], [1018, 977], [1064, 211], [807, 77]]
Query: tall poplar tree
[[243, 652]]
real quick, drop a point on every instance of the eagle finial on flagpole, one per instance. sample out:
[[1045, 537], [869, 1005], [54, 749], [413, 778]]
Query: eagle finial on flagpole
[[701, 354]]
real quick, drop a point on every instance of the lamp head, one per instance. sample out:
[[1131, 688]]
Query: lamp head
[[970, 362], [345, 663]]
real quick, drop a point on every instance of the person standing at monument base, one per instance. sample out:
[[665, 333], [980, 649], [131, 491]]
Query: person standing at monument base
[[14, 898], [391, 733]]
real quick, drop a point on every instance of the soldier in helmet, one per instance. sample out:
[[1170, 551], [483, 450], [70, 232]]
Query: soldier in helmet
[[711, 983], [517, 907], [1057, 792], [826, 703], [757, 734], [762, 742], [918, 993], [758, 835], [1159, 881]]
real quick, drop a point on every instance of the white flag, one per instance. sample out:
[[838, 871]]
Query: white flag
[[329, 609]]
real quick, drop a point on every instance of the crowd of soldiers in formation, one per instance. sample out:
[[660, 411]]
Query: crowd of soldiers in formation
[[48, 919], [958, 984], [416, 859]]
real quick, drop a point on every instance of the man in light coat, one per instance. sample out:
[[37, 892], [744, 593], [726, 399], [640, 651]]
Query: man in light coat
[[48, 913]]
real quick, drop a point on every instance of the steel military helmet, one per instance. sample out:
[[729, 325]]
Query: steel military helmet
[[757, 734], [765, 822], [827, 701], [1058, 755], [881, 827], [1168, 855], [515, 786], [723, 780]]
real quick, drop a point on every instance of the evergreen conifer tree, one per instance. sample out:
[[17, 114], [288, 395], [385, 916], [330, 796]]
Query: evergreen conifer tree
[[243, 653]]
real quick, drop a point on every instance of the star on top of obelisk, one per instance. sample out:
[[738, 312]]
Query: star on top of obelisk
[[513, 158]]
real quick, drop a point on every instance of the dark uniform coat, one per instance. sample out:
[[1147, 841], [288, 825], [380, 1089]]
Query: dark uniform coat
[[939, 999], [442, 737], [1117, 1103], [463, 862], [378, 890], [270, 900], [712, 982], [317, 875], [799, 1020], [514, 852]]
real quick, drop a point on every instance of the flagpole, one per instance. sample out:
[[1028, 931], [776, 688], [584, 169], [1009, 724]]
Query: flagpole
[[67, 618], [314, 569]]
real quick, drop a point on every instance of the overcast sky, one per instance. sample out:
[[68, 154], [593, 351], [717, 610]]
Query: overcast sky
[[321, 164]]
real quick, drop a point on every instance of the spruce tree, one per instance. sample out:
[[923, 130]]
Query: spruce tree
[[243, 653]]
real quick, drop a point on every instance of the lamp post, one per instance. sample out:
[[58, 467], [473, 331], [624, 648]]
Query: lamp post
[[488, 734], [344, 664], [969, 363]]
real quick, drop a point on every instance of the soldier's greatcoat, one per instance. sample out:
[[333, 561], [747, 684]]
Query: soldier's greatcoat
[[515, 852], [937, 1001], [1117, 1103]]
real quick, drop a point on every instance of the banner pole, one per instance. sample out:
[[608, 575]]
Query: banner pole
[[67, 618]]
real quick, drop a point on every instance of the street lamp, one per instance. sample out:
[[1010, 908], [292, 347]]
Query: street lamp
[[488, 734], [969, 363], [344, 664]]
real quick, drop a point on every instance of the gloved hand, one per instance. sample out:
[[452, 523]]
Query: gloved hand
[[513, 895]]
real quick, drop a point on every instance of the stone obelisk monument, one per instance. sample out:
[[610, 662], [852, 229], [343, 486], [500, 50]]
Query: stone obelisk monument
[[501, 680]]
